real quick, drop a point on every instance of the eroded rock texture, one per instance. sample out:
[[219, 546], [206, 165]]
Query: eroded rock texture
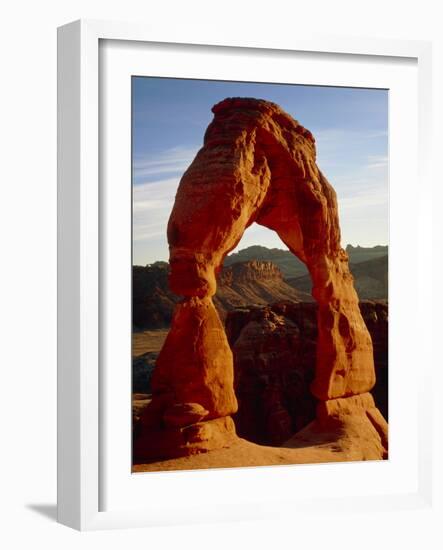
[[274, 350], [257, 164]]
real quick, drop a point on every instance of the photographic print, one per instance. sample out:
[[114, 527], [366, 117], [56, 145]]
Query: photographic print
[[259, 274]]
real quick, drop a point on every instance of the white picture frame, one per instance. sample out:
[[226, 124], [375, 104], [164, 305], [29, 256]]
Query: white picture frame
[[81, 409]]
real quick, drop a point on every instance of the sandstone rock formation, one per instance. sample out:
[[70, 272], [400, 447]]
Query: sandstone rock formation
[[257, 165], [274, 350]]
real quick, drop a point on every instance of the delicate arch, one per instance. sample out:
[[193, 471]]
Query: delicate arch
[[257, 164]]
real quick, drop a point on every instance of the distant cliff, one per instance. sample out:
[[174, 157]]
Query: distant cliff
[[239, 285], [289, 265]]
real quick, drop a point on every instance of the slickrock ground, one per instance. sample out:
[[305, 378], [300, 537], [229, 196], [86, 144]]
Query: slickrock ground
[[243, 454], [343, 431], [356, 440]]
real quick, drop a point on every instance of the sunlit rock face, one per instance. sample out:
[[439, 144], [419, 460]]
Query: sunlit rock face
[[257, 164]]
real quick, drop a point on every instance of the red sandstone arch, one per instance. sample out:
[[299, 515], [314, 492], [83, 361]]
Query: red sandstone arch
[[257, 165]]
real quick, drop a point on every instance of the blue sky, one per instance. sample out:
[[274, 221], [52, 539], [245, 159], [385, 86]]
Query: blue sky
[[350, 126]]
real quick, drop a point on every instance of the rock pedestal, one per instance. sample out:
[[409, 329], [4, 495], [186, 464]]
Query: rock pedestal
[[192, 386], [257, 164]]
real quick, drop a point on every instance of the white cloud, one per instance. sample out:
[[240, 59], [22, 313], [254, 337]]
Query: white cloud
[[153, 200], [363, 200], [174, 160], [152, 204], [377, 161], [339, 148]]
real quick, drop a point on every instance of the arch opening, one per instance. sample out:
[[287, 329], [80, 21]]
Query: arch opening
[[273, 341]]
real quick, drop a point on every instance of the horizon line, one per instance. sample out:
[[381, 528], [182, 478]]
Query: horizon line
[[274, 248]]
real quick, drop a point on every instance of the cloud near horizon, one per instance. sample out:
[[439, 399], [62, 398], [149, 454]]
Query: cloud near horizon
[[173, 161]]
